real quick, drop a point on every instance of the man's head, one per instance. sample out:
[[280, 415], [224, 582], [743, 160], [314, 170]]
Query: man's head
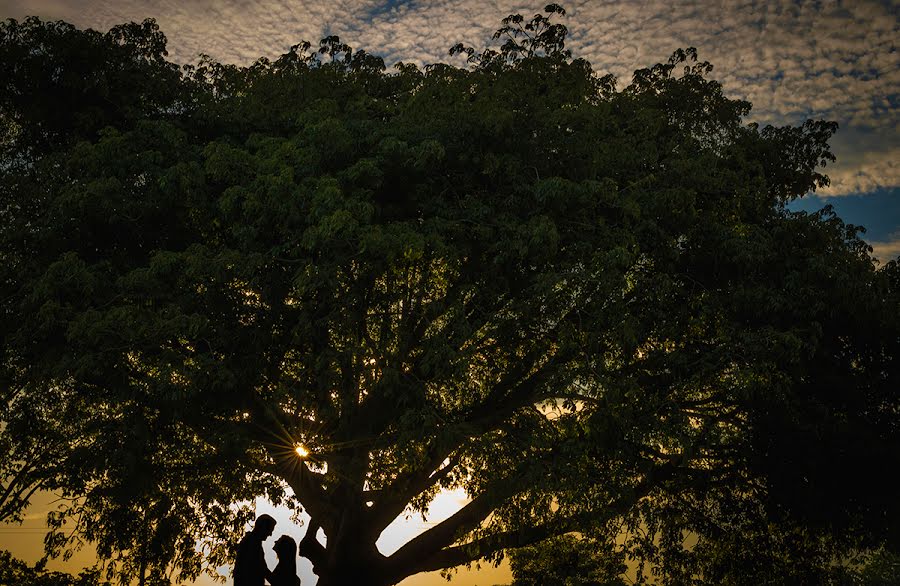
[[264, 525]]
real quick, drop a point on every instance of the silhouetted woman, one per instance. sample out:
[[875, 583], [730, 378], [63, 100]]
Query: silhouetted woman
[[285, 573]]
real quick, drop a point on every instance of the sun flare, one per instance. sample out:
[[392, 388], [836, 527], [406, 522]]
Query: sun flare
[[302, 451]]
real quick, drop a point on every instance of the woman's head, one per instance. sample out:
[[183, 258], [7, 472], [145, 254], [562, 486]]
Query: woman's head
[[285, 547]]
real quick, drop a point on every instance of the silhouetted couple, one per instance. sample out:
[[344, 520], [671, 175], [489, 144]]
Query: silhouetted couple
[[250, 567]]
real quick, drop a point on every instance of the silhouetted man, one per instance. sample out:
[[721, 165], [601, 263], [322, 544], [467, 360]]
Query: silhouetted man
[[250, 567]]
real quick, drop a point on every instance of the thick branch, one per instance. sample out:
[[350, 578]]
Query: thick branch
[[307, 487], [480, 548], [425, 554], [393, 500], [310, 548], [445, 532], [306, 484], [510, 395]]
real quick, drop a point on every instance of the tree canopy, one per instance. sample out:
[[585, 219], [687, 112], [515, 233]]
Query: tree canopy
[[567, 561], [13, 571], [583, 302]]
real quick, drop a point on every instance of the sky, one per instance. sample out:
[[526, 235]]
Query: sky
[[792, 59]]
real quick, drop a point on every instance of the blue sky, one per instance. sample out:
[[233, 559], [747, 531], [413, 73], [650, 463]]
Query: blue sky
[[878, 212]]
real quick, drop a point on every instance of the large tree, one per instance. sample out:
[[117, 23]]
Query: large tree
[[587, 306]]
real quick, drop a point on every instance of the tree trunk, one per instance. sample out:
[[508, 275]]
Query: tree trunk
[[354, 575], [350, 556], [364, 566]]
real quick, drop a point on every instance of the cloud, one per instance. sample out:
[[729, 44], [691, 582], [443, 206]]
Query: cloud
[[831, 59], [871, 171], [887, 250]]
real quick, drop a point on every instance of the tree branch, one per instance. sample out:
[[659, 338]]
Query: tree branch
[[306, 484], [480, 548], [422, 555], [446, 532], [310, 548], [19, 484], [394, 499], [508, 397]]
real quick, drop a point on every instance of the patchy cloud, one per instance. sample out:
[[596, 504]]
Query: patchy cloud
[[867, 171], [831, 59], [887, 250]]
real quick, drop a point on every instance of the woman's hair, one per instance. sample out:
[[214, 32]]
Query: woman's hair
[[286, 544], [286, 548]]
